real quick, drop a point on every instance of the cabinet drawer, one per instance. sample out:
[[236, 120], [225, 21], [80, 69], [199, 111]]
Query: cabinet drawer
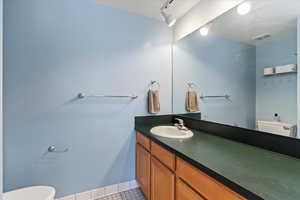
[[163, 155], [143, 140], [185, 192], [231, 195], [205, 185]]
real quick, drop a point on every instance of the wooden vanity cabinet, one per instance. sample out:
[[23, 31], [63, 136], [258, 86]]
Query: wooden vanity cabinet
[[143, 160], [163, 176], [143, 141], [185, 192], [199, 183], [162, 181], [164, 156], [143, 163], [202, 183]]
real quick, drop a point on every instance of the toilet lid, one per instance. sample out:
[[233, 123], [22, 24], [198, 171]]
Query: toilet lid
[[32, 193]]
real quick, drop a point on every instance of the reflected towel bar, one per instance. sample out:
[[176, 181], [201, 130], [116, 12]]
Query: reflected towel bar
[[82, 95], [221, 96]]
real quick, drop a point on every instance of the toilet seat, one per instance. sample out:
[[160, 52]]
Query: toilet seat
[[32, 193]]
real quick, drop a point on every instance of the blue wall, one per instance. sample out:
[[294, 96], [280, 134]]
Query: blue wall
[[218, 66], [277, 94], [55, 49]]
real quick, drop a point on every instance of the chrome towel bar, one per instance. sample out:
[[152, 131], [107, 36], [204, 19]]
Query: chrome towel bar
[[82, 95], [218, 96]]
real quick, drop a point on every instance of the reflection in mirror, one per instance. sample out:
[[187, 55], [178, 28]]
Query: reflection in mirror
[[242, 67]]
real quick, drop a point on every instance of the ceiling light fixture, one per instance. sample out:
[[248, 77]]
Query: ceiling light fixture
[[244, 8]]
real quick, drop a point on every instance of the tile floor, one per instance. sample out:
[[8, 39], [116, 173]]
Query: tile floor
[[135, 194]]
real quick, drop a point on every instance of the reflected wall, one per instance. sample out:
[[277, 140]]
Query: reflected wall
[[217, 65], [232, 59]]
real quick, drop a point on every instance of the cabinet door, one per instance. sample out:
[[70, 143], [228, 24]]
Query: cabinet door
[[143, 159], [162, 181], [185, 192]]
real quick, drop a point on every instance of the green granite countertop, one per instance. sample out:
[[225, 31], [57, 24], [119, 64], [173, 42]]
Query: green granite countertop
[[269, 175]]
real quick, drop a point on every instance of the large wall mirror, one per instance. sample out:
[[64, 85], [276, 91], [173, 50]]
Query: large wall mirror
[[242, 67]]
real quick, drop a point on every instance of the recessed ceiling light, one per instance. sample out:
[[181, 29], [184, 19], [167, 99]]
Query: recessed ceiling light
[[244, 8], [204, 31]]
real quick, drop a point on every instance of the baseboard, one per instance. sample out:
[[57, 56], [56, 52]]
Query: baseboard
[[102, 192]]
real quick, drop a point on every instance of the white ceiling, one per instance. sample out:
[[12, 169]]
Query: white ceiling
[[201, 14], [267, 17], [151, 8]]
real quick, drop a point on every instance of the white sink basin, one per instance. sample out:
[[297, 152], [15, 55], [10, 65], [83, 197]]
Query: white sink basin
[[171, 132]]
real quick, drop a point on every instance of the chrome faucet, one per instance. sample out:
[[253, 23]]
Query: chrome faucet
[[180, 125]]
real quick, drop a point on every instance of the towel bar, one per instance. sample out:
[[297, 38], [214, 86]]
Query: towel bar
[[219, 96], [82, 95]]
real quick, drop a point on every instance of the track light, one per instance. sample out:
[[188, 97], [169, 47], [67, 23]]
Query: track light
[[167, 18]]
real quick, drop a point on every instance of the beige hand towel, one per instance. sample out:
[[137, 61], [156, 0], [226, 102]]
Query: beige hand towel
[[153, 102], [191, 102]]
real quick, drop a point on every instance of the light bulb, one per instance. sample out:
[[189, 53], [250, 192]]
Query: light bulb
[[204, 31], [244, 8], [172, 23]]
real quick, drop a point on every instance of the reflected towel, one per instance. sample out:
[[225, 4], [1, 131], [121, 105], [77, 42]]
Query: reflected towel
[[153, 102], [191, 102]]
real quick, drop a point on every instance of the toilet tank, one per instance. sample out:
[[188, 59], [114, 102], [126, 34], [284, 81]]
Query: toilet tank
[[277, 128]]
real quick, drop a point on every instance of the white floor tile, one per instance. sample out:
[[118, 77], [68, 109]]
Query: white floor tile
[[124, 186], [98, 193], [112, 189], [71, 197], [84, 196], [133, 184]]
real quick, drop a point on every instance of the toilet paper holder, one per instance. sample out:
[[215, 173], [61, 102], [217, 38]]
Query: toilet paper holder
[[52, 149]]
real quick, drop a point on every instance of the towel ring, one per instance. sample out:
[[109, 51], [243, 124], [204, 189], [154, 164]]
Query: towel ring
[[155, 83]]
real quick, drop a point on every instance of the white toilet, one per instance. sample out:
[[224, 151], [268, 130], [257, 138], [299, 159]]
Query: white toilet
[[277, 128], [31, 193]]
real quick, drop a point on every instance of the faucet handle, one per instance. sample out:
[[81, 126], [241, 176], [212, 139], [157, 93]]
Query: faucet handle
[[179, 120]]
